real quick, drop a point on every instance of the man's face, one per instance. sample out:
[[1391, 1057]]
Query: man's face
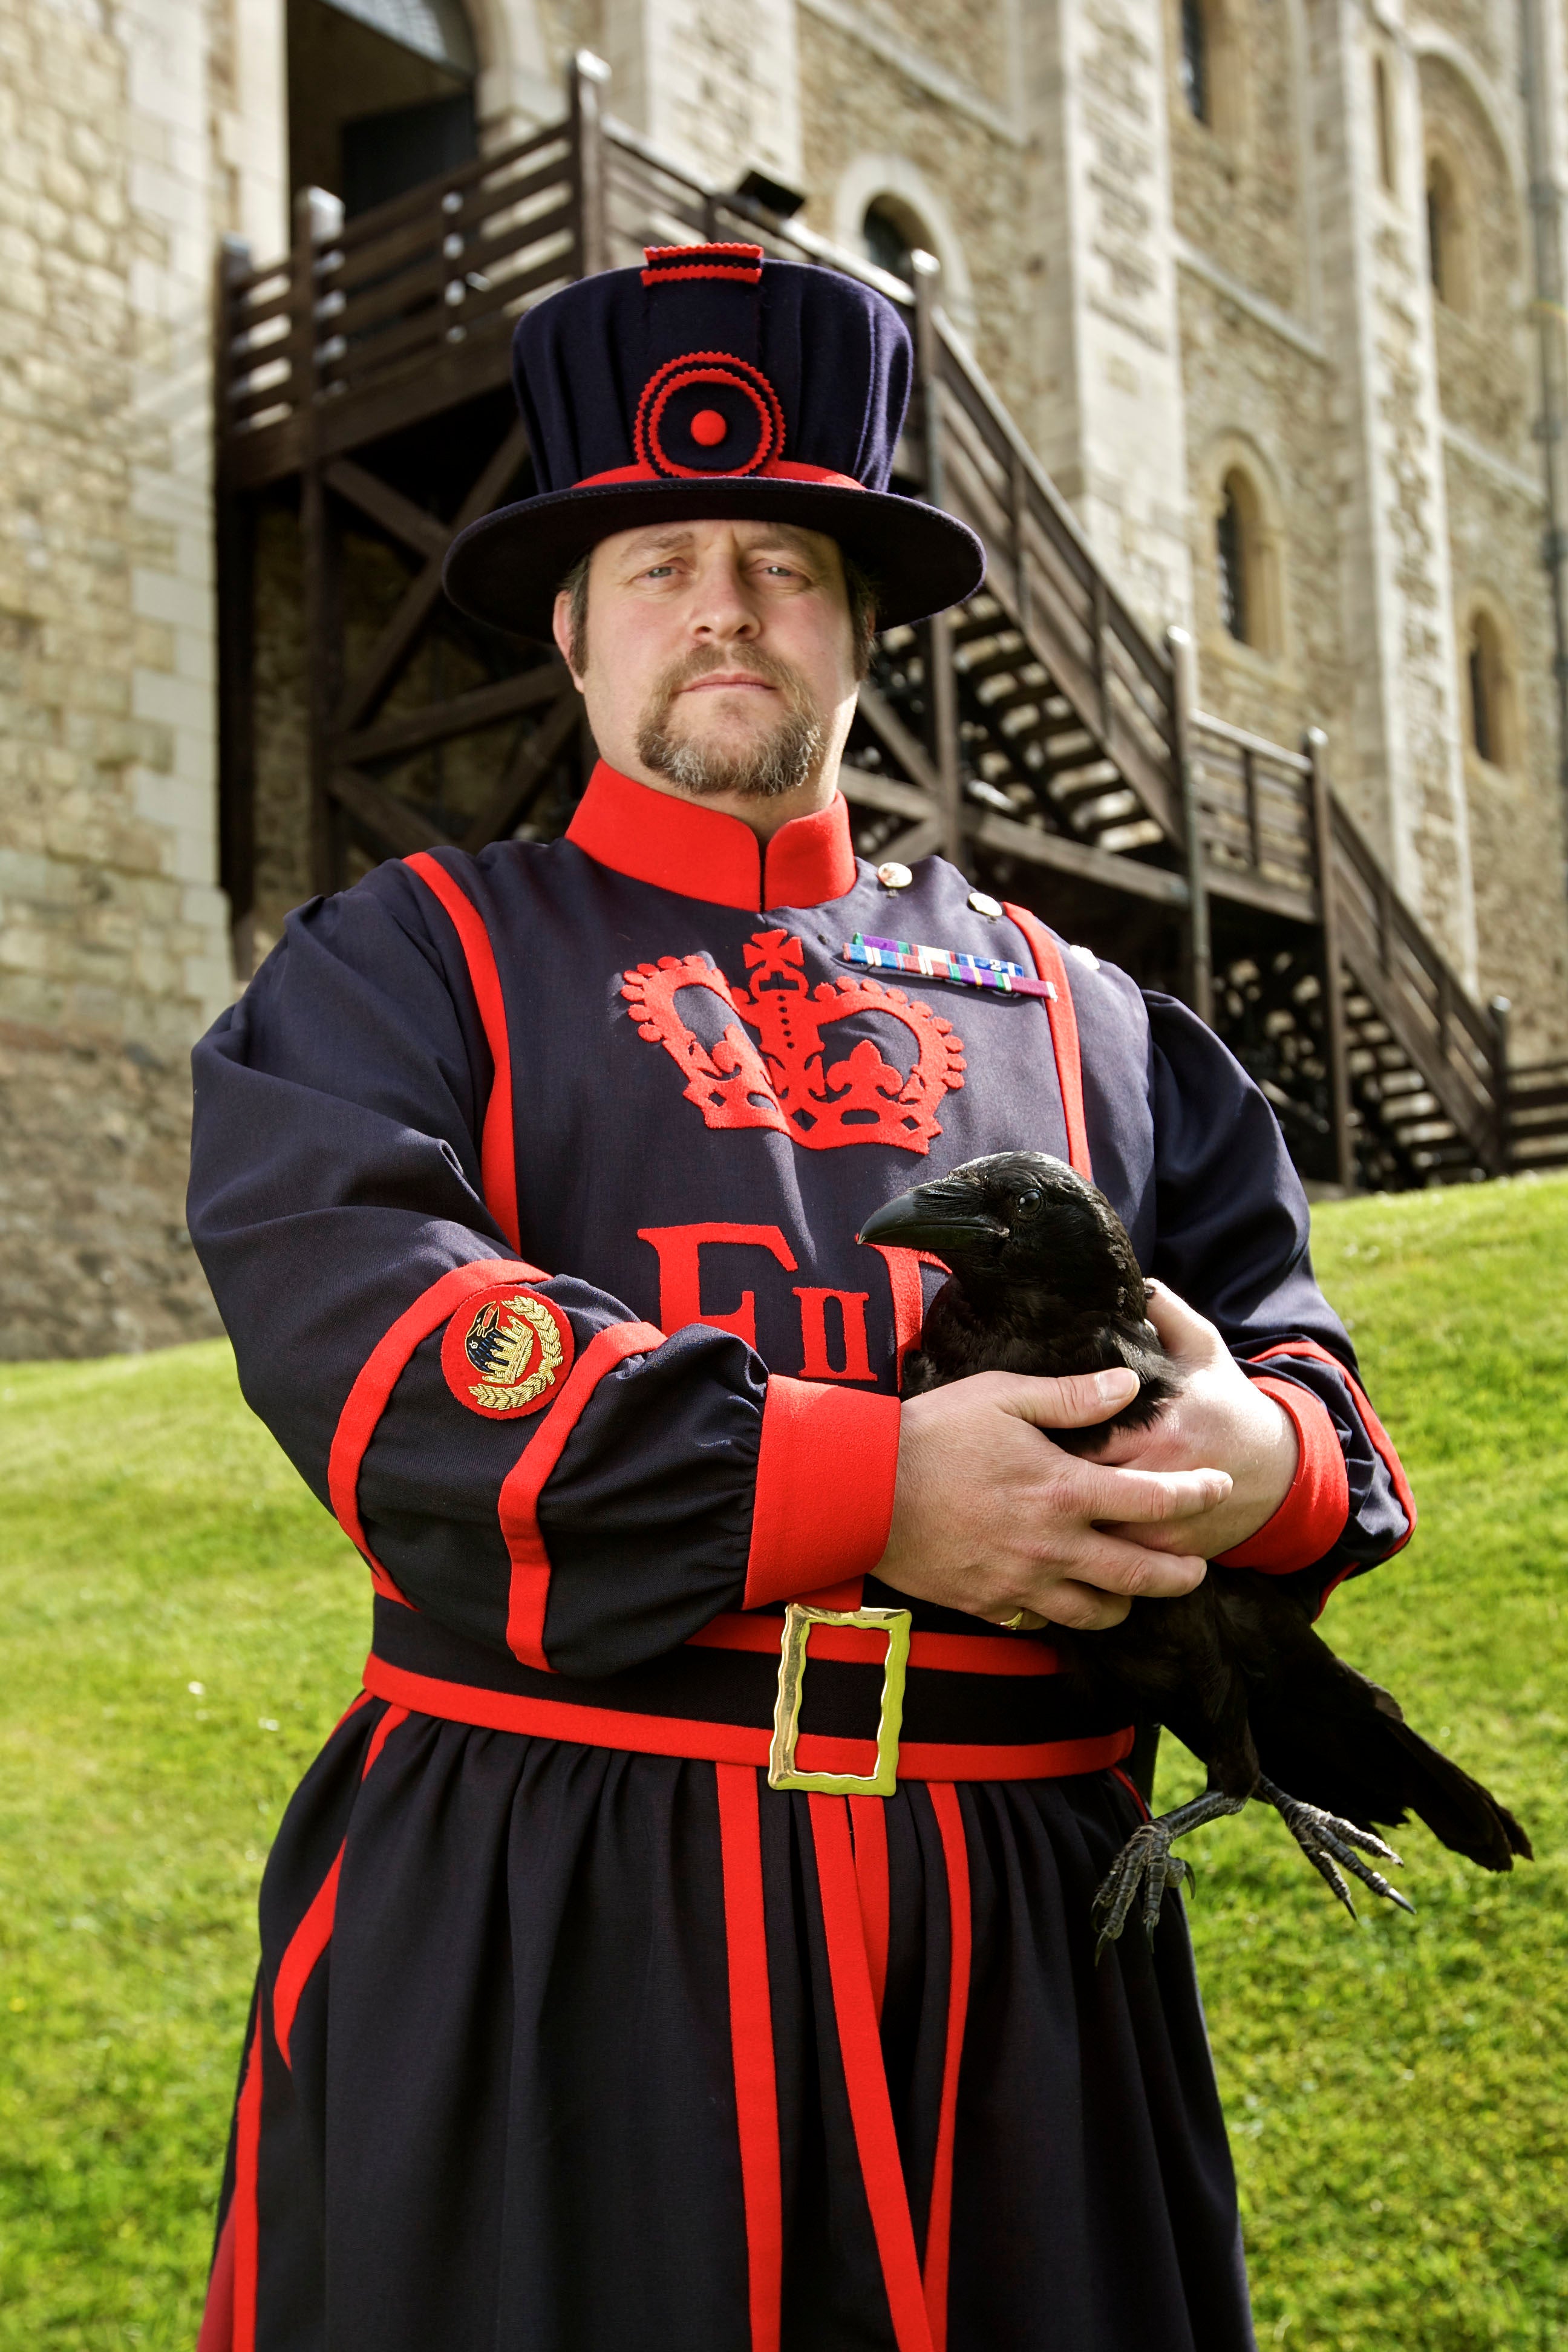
[[720, 661]]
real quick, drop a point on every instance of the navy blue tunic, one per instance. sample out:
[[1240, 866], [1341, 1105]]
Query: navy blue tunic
[[528, 1186]]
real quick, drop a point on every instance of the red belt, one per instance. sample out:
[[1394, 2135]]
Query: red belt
[[814, 1761]]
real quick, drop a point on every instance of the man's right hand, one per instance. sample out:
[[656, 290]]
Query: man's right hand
[[990, 1516]]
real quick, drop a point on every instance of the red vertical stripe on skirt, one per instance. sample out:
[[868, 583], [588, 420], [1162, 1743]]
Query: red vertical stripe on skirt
[[752, 2041], [217, 2311], [1063, 1032], [865, 2078], [314, 1932], [247, 2152], [939, 2226], [869, 1822], [524, 1483], [498, 1145]]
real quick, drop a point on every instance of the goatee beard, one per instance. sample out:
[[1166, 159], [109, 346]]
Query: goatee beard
[[782, 762]]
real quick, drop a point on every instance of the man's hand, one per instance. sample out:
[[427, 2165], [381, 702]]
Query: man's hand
[[990, 1516], [1221, 1419]]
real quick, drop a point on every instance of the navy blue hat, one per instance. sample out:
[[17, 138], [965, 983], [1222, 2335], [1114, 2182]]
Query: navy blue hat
[[711, 384]]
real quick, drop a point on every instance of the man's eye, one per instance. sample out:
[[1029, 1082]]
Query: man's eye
[[659, 571]]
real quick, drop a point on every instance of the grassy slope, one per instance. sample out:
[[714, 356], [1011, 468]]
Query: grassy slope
[[1397, 2093]]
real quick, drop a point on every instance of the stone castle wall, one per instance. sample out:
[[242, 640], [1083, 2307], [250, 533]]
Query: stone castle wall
[[112, 934]]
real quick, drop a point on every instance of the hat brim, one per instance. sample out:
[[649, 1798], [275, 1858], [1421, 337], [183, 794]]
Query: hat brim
[[506, 569]]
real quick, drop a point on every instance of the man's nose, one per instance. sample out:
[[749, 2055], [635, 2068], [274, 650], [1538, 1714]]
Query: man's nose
[[721, 609]]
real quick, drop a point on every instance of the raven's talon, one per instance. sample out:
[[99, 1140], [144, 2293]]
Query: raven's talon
[[1326, 1840]]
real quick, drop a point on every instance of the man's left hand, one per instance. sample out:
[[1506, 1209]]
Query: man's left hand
[[1221, 1421]]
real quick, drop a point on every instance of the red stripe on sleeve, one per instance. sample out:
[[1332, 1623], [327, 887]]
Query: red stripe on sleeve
[[751, 2043], [247, 2166], [497, 1143], [1383, 1445], [1049, 966], [939, 2225], [519, 1508], [379, 1375], [1312, 1518], [825, 1472]]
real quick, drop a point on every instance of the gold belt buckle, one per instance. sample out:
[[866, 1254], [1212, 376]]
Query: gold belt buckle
[[799, 1619]]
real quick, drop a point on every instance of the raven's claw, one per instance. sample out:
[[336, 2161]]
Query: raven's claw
[[1146, 1861], [1326, 1841]]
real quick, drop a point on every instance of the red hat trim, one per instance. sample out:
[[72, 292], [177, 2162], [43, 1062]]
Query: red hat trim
[[743, 264]]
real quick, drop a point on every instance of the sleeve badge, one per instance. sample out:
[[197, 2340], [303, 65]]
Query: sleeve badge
[[506, 1352]]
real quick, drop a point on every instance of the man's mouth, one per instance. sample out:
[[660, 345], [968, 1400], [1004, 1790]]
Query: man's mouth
[[728, 677]]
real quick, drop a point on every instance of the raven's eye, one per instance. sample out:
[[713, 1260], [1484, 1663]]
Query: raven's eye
[[1028, 1204]]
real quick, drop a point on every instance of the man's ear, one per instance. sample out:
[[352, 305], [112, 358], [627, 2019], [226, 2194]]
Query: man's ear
[[561, 630]]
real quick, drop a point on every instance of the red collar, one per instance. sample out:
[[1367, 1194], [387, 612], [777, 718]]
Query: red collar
[[699, 853]]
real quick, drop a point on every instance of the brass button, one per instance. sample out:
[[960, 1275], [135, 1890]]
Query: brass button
[[894, 876], [984, 904]]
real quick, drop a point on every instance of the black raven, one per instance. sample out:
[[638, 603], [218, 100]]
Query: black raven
[[1044, 1280]]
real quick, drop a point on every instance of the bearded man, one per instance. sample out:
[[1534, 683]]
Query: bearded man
[[620, 1989]]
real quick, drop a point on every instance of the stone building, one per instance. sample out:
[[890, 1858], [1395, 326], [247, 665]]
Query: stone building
[[1262, 281]]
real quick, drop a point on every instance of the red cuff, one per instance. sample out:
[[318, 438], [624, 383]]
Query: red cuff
[[824, 1488], [1312, 1518]]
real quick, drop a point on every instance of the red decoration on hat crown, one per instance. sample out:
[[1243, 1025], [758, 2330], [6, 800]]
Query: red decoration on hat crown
[[718, 369], [742, 263], [708, 428]]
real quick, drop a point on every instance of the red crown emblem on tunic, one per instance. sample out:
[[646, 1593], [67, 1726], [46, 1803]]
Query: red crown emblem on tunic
[[785, 1079]]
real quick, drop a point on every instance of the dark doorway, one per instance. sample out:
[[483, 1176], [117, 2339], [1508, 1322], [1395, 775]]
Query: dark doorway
[[381, 96]]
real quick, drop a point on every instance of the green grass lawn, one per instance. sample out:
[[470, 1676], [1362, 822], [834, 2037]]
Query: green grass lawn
[[181, 1624]]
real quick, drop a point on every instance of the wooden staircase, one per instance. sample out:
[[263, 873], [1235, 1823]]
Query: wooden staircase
[[1039, 736]]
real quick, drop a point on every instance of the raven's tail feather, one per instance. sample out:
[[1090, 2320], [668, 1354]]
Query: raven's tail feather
[[1465, 1816]]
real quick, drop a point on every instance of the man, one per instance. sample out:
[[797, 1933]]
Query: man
[[594, 2016]]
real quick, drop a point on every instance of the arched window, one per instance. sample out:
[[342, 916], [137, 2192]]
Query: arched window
[[1194, 62], [1231, 554], [1445, 253], [893, 232], [1490, 682], [1246, 564]]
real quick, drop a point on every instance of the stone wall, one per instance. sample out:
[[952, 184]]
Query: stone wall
[[112, 935]]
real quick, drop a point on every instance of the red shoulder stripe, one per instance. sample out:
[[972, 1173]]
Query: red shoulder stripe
[[519, 1504], [498, 1146], [379, 1375], [1049, 966]]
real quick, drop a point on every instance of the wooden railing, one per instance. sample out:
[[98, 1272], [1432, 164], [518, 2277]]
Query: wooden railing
[[1044, 721]]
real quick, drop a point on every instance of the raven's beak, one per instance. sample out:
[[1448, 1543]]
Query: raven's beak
[[932, 1217]]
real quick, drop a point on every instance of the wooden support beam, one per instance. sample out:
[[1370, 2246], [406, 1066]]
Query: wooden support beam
[[399, 830], [464, 714], [395, 642], [921, 841], [1200, 945], [1330, 971], [426, 533], [1076, 857], [865, 789], [895, 737], [525, 771]]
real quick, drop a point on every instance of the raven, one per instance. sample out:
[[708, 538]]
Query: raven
[[1043, 1280]]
